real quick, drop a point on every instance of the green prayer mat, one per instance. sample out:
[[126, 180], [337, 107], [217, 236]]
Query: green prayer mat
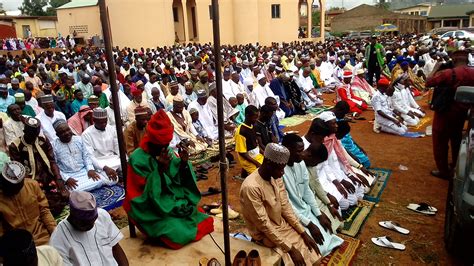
[[345, 254], [382, 176], [210, 152], [63, 215], [354, 222], [300, 119]]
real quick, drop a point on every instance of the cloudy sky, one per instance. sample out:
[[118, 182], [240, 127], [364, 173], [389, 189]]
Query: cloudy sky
[[10, 5]]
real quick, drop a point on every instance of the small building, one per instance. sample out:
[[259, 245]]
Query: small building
[[331, 14], [26, 26], [140, 23], [471, 18], [367, 17], [422, 9], [452, 15]]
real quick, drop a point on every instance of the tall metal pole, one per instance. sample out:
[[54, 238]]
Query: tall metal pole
[[104, 19], [220, 121]]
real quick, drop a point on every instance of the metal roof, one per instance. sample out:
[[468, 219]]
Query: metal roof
[[78, 3], [450, 11]]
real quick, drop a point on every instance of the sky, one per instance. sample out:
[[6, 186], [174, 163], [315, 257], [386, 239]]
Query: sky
[[10, 5]]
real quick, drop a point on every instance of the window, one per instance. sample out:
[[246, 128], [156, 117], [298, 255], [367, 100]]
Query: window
[[79, 29], [175, 14], [423, 13], [276, 11]]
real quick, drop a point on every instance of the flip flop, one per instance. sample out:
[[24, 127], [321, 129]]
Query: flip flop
[[203, 261], [210, 191], [423, 208], [394, 226], [386, 242], [213, 262]]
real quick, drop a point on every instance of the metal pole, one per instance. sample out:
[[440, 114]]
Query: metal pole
[[104, 19], [220, 120]]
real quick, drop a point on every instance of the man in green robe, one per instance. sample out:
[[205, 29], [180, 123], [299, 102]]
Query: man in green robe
[[162, 194]]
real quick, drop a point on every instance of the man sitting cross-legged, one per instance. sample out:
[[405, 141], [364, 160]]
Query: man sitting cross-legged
[[101, 141], [74, 161], [162, 194], [88, 236], [268, 214]]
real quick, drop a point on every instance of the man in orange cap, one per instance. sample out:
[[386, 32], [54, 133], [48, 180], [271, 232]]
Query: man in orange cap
[[385, 118], [162, 194], [345, 93]]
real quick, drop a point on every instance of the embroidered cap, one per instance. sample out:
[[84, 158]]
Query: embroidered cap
[[327, 116], [99, 113], [93, 99], [58, 122], [13, 172], [201, 93], [48, 98], [32, 122], [277, 153], [83, 205], [19, 97]]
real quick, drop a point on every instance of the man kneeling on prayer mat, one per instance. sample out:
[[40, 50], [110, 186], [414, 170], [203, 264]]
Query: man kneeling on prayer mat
[[88, 236], [302, 199], [102, 143], [268, 214], [162, 194], [75, 161], [22, 203]]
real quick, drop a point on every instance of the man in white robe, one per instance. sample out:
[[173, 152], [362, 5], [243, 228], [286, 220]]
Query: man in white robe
[[48, 117], [101, 142], [262, 91], [205, 114]]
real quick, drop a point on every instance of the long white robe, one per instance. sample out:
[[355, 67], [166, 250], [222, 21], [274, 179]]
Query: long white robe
[[206, 119], [103, 146]]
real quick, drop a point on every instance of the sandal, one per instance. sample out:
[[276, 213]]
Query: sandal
[[386, 242], [211, 191], [394, 226], [423, 208]]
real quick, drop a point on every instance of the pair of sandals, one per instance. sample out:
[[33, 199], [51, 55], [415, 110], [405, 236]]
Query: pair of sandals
[[423, 208], [387, 242]]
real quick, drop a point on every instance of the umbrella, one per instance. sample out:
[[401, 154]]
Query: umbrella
[[386, 28]]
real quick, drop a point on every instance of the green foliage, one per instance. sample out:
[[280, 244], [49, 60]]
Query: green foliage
[[383, 5], [33, 7], [316, 20], [2, 11], [55, 4]]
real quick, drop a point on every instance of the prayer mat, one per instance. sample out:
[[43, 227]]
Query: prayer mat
[[318, 110], [63, 215], [344, 254], [296, 120], [382, 176], [109, 197], [414, 135], [423, 121], [357, 218], [211, 152]]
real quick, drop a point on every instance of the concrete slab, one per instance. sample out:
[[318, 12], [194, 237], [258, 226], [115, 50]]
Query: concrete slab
[[142, 254]]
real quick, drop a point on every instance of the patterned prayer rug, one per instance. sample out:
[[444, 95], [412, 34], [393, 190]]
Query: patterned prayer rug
[[211, 152], [109, 198], [357, 218], [320, 109], [423, 121], [344, 254], [382, 176], [299, 119]]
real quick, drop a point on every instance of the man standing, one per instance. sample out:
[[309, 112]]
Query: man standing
[[23, 205], [88, 236], [448, 123], [374, 54], [74, 161], [101, 142], [48, 117], [269, 215]]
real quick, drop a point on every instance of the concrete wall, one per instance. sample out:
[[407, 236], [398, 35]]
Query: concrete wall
[[148, 24], [284, 29], [78, 17], [35, 28], [471, 20]]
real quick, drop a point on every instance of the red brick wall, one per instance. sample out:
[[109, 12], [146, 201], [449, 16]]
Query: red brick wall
[[7, 31]]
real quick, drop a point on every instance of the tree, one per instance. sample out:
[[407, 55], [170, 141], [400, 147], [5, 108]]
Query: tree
[[316, 18], [383, 5], [33, 7], [55, 4], [2, 11]]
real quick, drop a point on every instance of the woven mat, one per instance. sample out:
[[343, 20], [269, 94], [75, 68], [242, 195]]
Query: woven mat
[[354, 222], [211, 152], [382, 176], [344, 254]]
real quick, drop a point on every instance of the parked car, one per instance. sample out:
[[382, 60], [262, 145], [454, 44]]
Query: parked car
[[356, 35], [459, 218], [457, 34], [327, 35]]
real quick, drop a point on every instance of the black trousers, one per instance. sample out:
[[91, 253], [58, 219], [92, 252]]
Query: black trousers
[[371, 71]]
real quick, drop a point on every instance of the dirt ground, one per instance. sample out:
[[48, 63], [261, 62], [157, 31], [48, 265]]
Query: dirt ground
[[425, 241]]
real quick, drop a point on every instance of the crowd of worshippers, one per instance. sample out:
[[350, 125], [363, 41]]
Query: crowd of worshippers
[[58, 126], [14, 44]]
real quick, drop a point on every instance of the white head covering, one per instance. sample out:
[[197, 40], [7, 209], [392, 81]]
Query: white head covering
[[277, 153], [327, 116], [260, 76], [13, 172]]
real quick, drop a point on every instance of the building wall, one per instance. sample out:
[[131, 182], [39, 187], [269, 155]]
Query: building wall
[[7, 30], [355, 23], [84, 20], [471, 20], [415, 10], [35, 27], [148, 24], [284, 29]]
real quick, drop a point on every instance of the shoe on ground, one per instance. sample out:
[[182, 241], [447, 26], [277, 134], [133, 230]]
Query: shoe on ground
[[240, 259]]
